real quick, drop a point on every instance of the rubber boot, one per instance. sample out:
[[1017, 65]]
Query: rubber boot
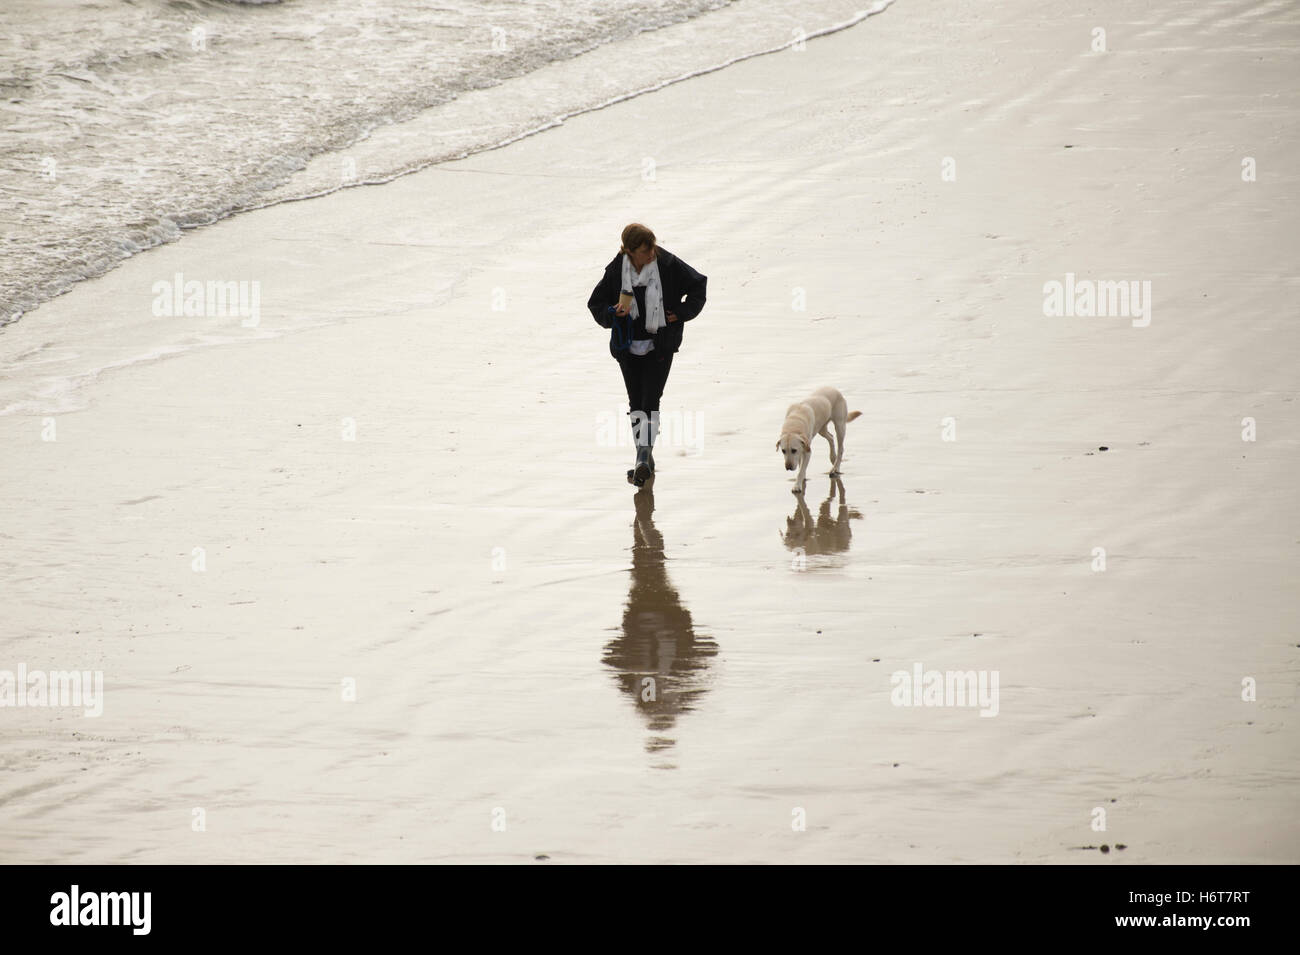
[[652, 432], [641, 425], [636, 419]]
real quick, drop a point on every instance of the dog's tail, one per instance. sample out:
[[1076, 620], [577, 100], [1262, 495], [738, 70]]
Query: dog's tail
[[852, 415]]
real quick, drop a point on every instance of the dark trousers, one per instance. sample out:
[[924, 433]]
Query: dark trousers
[[645, 377]]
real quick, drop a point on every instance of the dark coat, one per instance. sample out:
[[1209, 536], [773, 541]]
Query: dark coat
[[683, 296]]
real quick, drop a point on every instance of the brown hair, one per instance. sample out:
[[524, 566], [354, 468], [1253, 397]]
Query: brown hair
[[635, 236]]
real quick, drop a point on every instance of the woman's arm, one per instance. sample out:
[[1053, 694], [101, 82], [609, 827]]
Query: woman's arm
[[603, 296], [695, 285]]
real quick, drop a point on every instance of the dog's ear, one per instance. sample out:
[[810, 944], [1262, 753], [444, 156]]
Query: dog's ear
[[778, 444]]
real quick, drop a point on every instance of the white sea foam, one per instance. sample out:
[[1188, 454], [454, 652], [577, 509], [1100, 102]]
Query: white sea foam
[[126, 123]]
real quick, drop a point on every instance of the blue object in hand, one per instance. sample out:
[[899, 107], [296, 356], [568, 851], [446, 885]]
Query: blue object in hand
[[620, 329]]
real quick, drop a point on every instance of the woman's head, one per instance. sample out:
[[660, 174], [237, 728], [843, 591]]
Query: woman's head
[[639, 243]]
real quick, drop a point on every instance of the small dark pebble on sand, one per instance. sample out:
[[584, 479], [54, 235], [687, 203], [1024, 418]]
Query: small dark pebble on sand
[[1120, 845], [542, 856], [1105, 848], [1103, 448]]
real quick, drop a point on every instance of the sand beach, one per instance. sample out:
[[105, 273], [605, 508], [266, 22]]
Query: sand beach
[[365, 582]]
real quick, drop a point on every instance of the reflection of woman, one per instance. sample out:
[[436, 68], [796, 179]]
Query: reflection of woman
[[645, 327], [661, 663]]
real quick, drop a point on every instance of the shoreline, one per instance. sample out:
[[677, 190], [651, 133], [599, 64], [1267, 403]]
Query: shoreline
[[321, 177]]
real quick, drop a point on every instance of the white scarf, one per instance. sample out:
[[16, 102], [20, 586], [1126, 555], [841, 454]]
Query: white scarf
[[654, 293]]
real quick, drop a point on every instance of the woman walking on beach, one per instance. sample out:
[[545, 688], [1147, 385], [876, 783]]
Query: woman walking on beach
[[645, 297]]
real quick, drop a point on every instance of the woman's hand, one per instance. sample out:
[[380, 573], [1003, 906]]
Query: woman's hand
[[672, 316], [620, 309]]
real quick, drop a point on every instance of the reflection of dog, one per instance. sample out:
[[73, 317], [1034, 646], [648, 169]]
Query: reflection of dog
[[812, 416], [826, 535]]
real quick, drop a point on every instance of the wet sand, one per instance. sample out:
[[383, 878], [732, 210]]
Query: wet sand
[[476, 563]]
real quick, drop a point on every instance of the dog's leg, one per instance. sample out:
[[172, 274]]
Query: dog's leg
[[839, 457], [825, 432], [803, 469]]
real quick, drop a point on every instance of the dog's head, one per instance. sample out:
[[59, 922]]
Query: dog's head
[[793, 448]]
